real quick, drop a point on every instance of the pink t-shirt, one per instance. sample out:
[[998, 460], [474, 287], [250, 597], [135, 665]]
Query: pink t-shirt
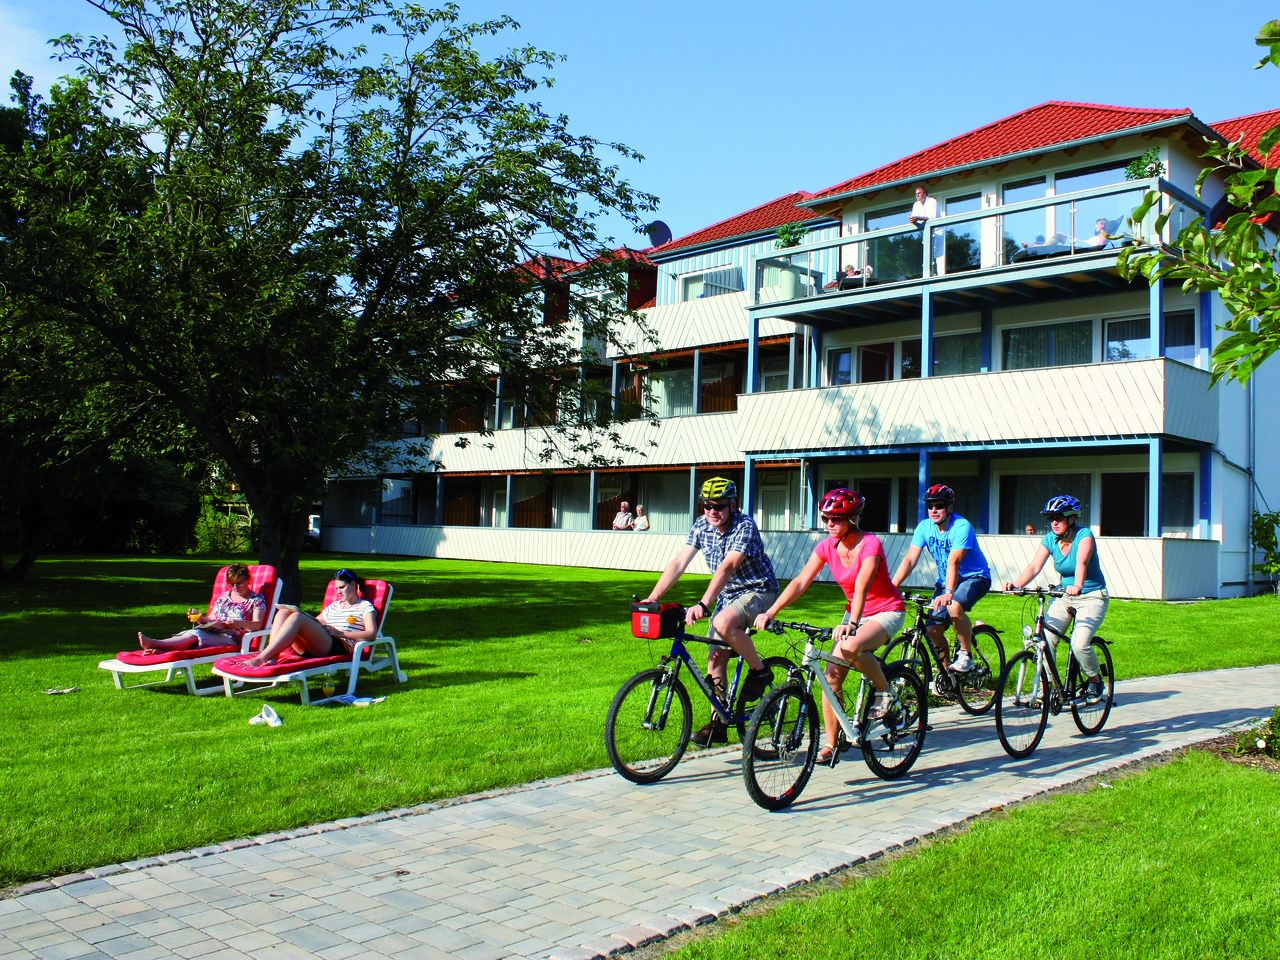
[[882, 595]]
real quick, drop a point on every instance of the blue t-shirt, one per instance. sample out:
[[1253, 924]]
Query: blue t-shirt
[[1066, 566], [960, 535]]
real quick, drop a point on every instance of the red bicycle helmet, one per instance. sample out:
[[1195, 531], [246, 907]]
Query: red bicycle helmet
[[940, 493], [842, 503]]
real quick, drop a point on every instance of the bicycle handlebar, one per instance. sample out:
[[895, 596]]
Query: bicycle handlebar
[[815, 632], [1037, 592]]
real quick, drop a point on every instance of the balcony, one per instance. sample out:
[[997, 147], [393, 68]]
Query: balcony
[[1109, 401], [1070, 233]]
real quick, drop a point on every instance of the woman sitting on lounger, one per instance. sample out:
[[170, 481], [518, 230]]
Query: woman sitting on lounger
[[235, 613], [334, 633]]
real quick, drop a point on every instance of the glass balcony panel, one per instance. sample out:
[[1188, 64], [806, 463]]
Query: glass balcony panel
[[897, 257], [960, 245]]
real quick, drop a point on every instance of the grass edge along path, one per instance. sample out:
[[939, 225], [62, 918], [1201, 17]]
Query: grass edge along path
[[511, 667], [1170, 859]]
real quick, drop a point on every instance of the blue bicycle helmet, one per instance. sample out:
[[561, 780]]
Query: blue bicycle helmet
[[1064, 504]]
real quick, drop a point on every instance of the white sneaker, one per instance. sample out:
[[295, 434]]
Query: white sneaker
[[267, 716], [963, 663]]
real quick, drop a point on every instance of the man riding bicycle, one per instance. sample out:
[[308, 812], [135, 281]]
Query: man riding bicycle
[[964, 577], [742, 586]]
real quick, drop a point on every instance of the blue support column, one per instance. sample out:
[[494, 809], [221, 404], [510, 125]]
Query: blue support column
[[1157, 318], [593, 494], [510, 485], [697, 381], [693, 492], [1155, 471], [747, 499], [922, 484], [814, 359], [439, 500], [497, 403], [753, 354], [926, 332], [1205, 515], [986, 337], [792, 361]]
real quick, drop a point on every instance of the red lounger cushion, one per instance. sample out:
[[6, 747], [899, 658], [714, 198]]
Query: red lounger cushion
[[137, 658], [287, 662]]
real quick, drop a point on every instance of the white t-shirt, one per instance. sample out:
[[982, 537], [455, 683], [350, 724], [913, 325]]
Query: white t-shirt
[[926, 209]]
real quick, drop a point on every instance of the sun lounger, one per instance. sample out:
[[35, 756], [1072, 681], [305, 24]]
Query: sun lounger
[[262, 579], [367, 656]]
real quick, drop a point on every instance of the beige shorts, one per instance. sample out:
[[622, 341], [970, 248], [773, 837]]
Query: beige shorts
[[890, 621]]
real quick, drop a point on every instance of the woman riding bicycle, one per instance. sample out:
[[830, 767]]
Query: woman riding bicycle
[[1075, 556], [875, 610]]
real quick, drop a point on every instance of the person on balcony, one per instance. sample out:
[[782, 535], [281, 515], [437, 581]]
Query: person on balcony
[[742, 586], [623, 520], [1099, 239], [1075, 556], [873, 614], [641, 523], [922, 211], [964, 577]]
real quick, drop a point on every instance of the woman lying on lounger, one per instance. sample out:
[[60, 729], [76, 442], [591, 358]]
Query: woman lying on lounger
[[334, 633], [238, 611]]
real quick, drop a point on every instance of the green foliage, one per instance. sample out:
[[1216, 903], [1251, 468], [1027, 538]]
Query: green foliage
[[1146, 166], [791, 234], [224, 527], [264, 237], [1264, 739], [1262, 533], [1238, 260]]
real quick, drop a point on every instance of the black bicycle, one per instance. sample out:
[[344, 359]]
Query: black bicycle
[[975, 689], [650, 721], [1031, 688]]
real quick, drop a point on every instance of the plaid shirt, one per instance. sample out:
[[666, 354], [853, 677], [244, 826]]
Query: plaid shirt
[[754, 574]]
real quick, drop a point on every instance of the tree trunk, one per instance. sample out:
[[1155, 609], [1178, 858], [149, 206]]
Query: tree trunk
[[281, 532]]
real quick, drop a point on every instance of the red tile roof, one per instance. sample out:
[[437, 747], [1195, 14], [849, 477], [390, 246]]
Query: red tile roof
[[1048, 124], [764, 217], [1251, 126]]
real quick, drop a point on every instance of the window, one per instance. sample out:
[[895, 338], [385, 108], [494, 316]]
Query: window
[[889, 217], [1085, 178], [839, 367], [875, 363], [775, 373], [1178, 502], [710, 283], [398, 505], [1022, 497], [1180, 336], [718, 392], [1127, 339], [672, 392], [952, 354], [1047, 345]]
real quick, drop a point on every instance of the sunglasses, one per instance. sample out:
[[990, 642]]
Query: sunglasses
[[715, 504], [345, 575], [935, 506], [835, 519], [1051, 517]]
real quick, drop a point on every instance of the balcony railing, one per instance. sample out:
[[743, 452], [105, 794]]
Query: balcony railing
[[1033, 231]]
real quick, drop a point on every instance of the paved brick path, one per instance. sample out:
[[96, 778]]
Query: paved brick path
[[584, 865]]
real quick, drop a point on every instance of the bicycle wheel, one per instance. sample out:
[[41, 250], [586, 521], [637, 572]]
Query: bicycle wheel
[[893, 746], [648, 726], [781, 746], [781, 668], [1022, 708], [1090, 717], [905, 649], [978, 685]]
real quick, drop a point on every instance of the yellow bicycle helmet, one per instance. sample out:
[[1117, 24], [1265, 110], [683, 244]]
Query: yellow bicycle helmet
[[719, 488]]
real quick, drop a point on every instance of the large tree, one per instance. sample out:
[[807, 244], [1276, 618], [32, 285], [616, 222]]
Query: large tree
[[1236, 258], [274, 230]]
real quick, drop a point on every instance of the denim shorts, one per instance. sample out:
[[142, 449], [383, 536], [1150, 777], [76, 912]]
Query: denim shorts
[[968, 592]]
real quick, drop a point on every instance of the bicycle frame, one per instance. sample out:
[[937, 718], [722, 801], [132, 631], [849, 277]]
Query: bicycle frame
[[680, 655], [1045, 661], [813, 655]]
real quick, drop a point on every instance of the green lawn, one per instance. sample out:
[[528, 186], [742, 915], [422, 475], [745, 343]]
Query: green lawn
[[511, 671], [1175, 862]]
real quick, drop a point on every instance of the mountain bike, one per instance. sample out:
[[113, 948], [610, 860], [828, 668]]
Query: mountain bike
[[1030, 687], [650, 721], [781, 745], [976, 687]]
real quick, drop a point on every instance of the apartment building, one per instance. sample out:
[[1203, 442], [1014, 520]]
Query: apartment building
[[996, 348]]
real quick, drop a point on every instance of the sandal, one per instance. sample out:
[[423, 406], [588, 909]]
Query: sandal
[[828, 756], [882, 706]]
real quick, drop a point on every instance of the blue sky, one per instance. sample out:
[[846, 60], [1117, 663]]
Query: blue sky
[[733, 104]]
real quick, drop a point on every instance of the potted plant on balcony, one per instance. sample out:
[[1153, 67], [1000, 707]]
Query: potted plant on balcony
[[789, 235]]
